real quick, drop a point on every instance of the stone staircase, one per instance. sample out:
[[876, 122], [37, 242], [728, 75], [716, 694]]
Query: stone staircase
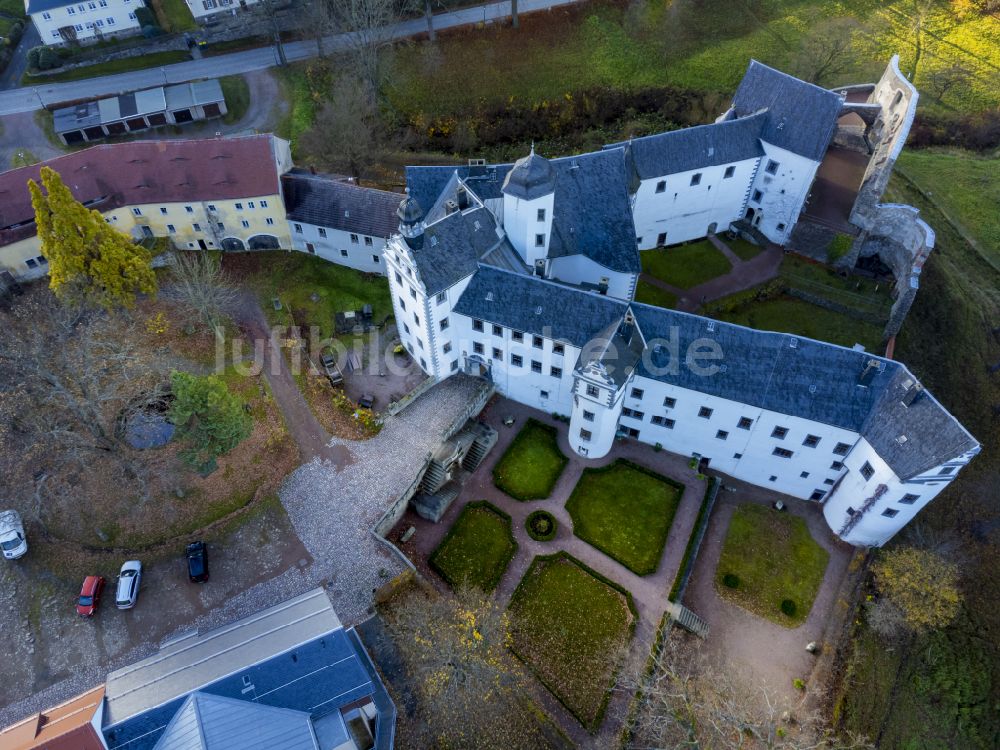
[[434, 478], [432, 507], [485, 438], [688, 620]]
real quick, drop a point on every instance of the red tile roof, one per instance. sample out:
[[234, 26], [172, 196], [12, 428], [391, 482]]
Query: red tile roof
[[65, 727], [120, 174]]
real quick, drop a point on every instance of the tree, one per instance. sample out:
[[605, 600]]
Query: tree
[[370, 23], [319, 20], [347, 133], [210, 417], [89, 260], [457, 655], [940, 81], [826, 50], [921, 584], [684, 702], [199, 283]]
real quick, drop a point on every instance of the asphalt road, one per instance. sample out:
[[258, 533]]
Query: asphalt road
[[30, 98]]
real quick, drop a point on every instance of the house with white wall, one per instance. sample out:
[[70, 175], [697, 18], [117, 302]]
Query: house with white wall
[[61, 22], [203, 9]]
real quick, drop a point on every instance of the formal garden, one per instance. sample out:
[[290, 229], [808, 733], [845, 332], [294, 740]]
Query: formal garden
[[770, 564], [477, 548], [532, 464]]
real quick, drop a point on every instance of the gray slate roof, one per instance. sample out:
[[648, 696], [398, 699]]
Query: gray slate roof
[[532, 177], [37, 6], [213, 722], [452, 247], [801, 117], [328, 202], [683, 150], [426, 183]]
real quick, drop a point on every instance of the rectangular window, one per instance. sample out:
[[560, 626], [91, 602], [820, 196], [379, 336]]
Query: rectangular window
[[669, 423], [221, 227], [163, 211], [298, 228], [781, 227], [402, 302], [804, 474], [593, 391], [497, 330], [656, 420], [71, 11], [322, 232], [555, 372], [536, 366], [250, 204], [661, 186], [585, 435], [837, 466], [454, 365], [730, 171], [909, 499], [772, 167], [705, 413], [31, 263], [536, 341], [637, 393], [558, 349], [111, 21], [189, 209], [539, 240], [420, 344], [829, 482], [368, 241], [447, 347], [745, 423], [263, 204], [47, 17], [517, 360], [269, 221], [354, 239], [817, 495], [196, 227], [946, 470], [867, 471], [444, 324], [171, 228], [670, 403], [517, 336], [721, 434], [245, 223], [661, 239], [541, 214], [211, 207], [543, 394], [376, 259], [757, 195], [811, 441], [497, 353], [588, 416], [441, 295], [137, 212], [841, 449], [890, 512], [477, 347], [696, 179], [779, 433], [239, 207], [310, 248], [399, 279], [782, 452], [477, 325]]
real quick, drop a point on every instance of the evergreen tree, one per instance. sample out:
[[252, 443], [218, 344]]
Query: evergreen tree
[[87, 257], [208, 415]]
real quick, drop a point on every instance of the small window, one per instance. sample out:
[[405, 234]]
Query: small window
[[536, 366], [588, 416], [811, 441], [245, 223], [368, 241], [539, 240], [705, 413], [477, 347], [558, 349], [585, 435], [376, 259], [447, 347], [817, 495], [661, 186], [772, 167], [239, 207], [402, 302], [737, 456], [423, 363], [555, 372], [269, 221], [841, 449], [406, 328], [322, 232], [773, 478], [536, 341], [637, 392], [163, 211], [497, 330], [497, 353], [399, 279], [829, 482], [658, 420], [757, 195], [543, 394], [867, 471], [541, 214], [890, 512], [298, 228], [196, 227], [804, 475], [730, 171], [781, 227], [454, 365], [517, 360], [477, 325], [593, 391], [722, 434], [946, 470], [211, 207], [779, 433], [782, 453], [310, 248], [441, 297], [263, 204], [420, 344], [517, 336], [31, 263], [444, 324], [669, 423], [137, 212], [171, 228], [413, 295], [745, 423], [837, 466], [909, 499], [670, 403], [416, 318], [696, 179], [354, 239], [661, 239], [189, 209]]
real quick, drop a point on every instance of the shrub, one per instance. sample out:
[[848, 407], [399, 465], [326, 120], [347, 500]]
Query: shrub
[[840, 247], [541, 525], [788, 607], [43, 58], [208, 415], [797, 683], [145, 17], [658, 447], [731, 580]]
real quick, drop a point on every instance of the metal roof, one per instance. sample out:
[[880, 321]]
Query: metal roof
[[137, 103]]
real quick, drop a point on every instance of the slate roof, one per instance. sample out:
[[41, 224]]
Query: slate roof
[[212, 722], [725, 142], [532, 177], [426, 183], [37, 6], [336, 204], [801, 117]]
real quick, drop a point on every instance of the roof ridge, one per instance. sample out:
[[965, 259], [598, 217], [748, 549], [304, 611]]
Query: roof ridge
[[789, 76]]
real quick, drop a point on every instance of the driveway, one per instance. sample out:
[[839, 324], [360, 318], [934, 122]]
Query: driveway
[[20, 131], [11, 76]]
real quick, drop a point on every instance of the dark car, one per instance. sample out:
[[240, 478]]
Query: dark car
[[90, 596], [367, 401], [197, 557]]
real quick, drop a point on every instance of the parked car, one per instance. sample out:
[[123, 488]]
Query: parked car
[[12, 539], [367, 401], [128, 584], [329, 361], [197, 558], [90, 596]]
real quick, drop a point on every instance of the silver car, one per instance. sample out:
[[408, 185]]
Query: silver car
[[128, 584]]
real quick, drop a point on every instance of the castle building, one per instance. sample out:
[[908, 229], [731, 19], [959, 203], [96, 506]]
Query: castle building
[[525, 274]]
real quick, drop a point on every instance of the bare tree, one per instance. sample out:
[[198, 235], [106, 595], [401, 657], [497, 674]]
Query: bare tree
[[319, 20], [347, 133], [515, 21], [683, 702], [940, 81], [826, 50], [198, 283], [369, 26]]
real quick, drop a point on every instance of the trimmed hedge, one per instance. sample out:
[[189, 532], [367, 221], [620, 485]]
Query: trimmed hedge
[[689, 550], [490, 579], [541, 525]]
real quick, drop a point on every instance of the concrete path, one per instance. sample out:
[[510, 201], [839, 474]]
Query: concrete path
[[30, 98]]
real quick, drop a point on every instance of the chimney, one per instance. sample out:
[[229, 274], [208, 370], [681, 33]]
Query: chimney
[[463, 198], [450, 206], [868, 373], [912, 392]]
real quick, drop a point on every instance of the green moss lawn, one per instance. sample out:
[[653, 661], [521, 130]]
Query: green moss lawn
[[653, 295], [237, 93], [685, 266], [477, 548], [775, 558], [625, 511], [568, 625], [532, 464], [745, 250]]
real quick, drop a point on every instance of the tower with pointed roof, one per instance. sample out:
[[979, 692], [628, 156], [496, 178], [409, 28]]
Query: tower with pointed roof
[[528, 202]]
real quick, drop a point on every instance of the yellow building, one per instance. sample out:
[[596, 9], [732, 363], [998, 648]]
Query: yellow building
[[202, 194]]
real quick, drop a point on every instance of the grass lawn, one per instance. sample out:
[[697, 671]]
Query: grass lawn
[[23, 158], [477, 549], [625, 511], [798, 317], [653, 295], [686, 266], [174, 15], [775, 558], [568, 624], [745, 250], [532, 464], [237, 93], [14, 8], [152, 60]]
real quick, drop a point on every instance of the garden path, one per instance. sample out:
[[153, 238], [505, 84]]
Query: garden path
[[744, 274], [649, 592]]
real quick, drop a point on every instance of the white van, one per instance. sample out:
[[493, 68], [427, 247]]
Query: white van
[[12, 540]]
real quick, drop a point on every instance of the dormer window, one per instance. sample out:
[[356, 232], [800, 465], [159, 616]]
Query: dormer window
[[696, 179], [541, 214]]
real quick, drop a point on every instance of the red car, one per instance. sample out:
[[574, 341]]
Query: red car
[[90, 595]]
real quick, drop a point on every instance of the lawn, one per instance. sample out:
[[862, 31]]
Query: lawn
[[798, 317], [745, 250], [13, 8], [237, 93], [151, 60], [477, 548], [174, 15], [532, 464], [686, 266], [568, 625], [775, 559], [653, 295], [625, 511]]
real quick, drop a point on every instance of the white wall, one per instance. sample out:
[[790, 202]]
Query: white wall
[[90, 19], [577, 269], [202, 8], [684, 211], [605, 408], [520, 222], [343, 248], [783, 194]]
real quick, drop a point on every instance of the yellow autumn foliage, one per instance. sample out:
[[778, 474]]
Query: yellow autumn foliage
[[922, 584]]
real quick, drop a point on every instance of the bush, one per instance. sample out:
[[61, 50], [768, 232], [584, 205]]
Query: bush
[[541, 525], [146, 17], [731, 580], [788, 607], [208, 416], [797, 683], [43, 58], [150, 31]]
